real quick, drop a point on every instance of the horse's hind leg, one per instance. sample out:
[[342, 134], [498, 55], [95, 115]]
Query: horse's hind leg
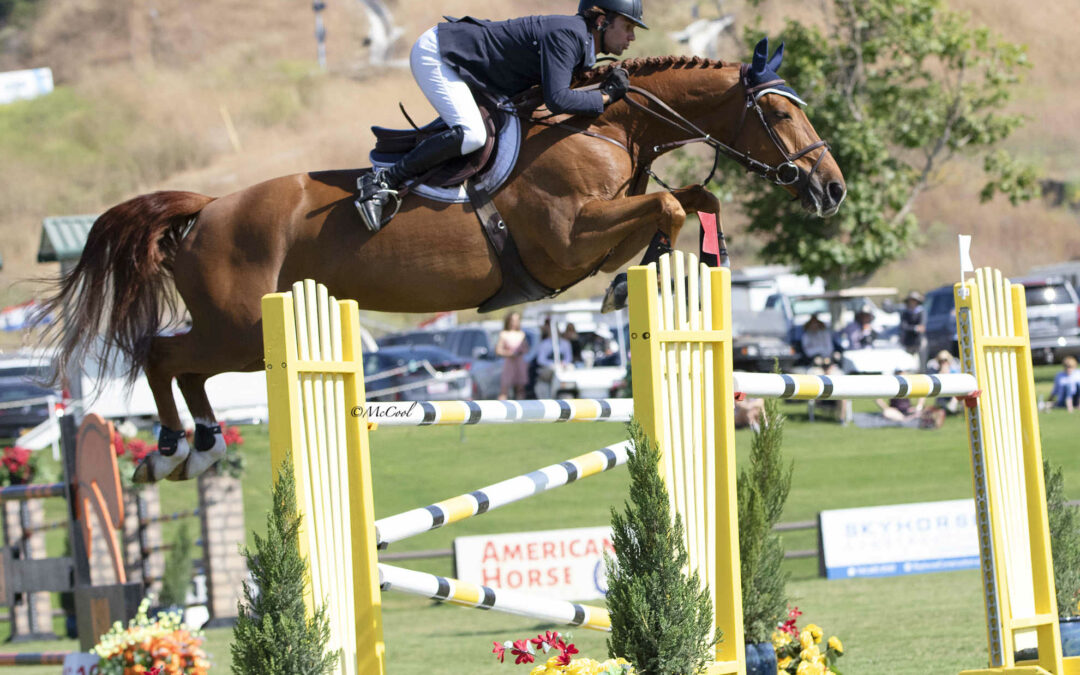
[[191, 361], [173, 449], [208, 441]]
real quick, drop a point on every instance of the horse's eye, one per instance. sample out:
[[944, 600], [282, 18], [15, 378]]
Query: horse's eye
[[781, 115]]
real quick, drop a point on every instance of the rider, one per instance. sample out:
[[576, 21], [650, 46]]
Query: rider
[[504, 58]]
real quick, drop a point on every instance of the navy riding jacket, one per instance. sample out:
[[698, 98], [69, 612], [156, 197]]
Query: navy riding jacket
[[508, 57]]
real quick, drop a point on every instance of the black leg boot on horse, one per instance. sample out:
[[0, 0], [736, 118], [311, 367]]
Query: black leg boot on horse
[[617, 291], [378, 188]]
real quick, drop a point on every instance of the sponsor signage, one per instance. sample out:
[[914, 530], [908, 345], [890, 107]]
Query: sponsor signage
[[19, 85], [560, 564], [882, 541]]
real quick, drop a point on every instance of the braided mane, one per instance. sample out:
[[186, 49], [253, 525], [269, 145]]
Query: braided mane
[[646, 66]]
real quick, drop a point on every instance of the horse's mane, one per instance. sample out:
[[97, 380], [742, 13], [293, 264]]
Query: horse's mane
[[646, 66]]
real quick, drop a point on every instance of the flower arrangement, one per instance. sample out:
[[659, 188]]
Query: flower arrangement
[[162, 646], [798, 652], [561, 662], [18, 466]]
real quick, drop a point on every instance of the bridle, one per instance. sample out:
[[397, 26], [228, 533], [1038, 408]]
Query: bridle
[[784, 173]]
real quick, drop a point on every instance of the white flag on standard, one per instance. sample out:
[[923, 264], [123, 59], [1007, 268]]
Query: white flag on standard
[[965, 254]]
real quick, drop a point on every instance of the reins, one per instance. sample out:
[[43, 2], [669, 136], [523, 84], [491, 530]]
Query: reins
[[783, 174]]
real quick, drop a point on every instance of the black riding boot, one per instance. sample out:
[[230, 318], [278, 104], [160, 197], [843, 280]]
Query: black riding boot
[[379, 187]]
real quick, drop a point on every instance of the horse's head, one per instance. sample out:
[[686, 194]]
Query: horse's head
[[778, 141]]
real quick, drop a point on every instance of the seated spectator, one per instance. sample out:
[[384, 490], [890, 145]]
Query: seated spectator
[[748, 413], [570, 334], [817, 342], [904, 412], [945, 364], [859, 334], [820, 350], [1066, 391]]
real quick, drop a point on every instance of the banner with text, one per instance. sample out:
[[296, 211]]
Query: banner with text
[[560, 564], [882, 541]]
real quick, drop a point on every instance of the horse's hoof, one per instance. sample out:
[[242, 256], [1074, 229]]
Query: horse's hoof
[[201, 460], [615, 296], [156, 466]]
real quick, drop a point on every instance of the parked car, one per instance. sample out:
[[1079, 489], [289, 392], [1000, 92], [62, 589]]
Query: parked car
[[473, 344], [34, 409], [761, 329], [416, 373], [1053, 313]]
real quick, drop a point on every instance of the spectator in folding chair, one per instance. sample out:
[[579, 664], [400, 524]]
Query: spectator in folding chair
[[1066, 391]]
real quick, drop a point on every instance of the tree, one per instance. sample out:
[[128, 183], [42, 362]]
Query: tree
[[273, 633], [660, 616], [899, 88], [1064, 522], [762, 490]]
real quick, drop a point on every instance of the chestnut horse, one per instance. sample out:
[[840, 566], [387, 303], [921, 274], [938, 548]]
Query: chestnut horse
[[573, 204]]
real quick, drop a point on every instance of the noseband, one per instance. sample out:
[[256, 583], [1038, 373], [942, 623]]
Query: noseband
[[784, 173]]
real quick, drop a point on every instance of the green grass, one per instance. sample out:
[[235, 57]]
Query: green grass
[[911, 624]]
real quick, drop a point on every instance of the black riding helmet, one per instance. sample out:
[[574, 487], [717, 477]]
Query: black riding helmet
[[631, 9]]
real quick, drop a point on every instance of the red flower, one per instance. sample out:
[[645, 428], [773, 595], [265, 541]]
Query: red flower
[[232, 436], [547, 640], [566, 652], [139, 449], [118, 444], [499, 651], [521, 651]]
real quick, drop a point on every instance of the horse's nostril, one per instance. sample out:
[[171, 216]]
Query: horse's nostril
[[836, 191]]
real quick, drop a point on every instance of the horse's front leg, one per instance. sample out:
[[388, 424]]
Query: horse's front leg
[[652, 220], [622, 227]]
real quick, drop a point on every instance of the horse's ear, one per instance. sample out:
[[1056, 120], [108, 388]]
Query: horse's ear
[[761, 56], [777, 59]]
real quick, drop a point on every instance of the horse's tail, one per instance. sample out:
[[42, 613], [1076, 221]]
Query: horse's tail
[[121, 284]]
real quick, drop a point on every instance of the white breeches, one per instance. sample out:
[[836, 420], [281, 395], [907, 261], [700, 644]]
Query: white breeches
[[446, 91]]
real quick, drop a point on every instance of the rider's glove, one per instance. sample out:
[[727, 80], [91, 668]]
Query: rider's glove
[[616, 84]]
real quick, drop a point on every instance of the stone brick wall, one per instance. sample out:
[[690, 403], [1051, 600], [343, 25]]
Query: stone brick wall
[[222, 505]]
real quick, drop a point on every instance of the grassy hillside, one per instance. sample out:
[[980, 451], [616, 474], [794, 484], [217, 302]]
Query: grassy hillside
[[147, 90]]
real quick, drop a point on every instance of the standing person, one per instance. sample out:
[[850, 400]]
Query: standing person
[[545, 361], [1066, 391], [511, 345], [570, 335], [504, 58], [911, 323]]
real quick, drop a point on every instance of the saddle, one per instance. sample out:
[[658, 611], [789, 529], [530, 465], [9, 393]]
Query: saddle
[[392, 144]]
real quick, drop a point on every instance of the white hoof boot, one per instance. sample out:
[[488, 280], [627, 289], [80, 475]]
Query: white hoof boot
[[156, 465], [200, 459]]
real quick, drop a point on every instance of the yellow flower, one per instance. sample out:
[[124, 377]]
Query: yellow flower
[[811, 653], [836, 645], [808, 668], [815, 631], [806, 639], [780, 638], [784, 663]]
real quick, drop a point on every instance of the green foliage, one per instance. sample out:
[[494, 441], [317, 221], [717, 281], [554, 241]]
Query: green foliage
[[16, 11], [178, 570], [763, 489], [1064, 541], [273, 633], [660, 617], [899, 87]]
